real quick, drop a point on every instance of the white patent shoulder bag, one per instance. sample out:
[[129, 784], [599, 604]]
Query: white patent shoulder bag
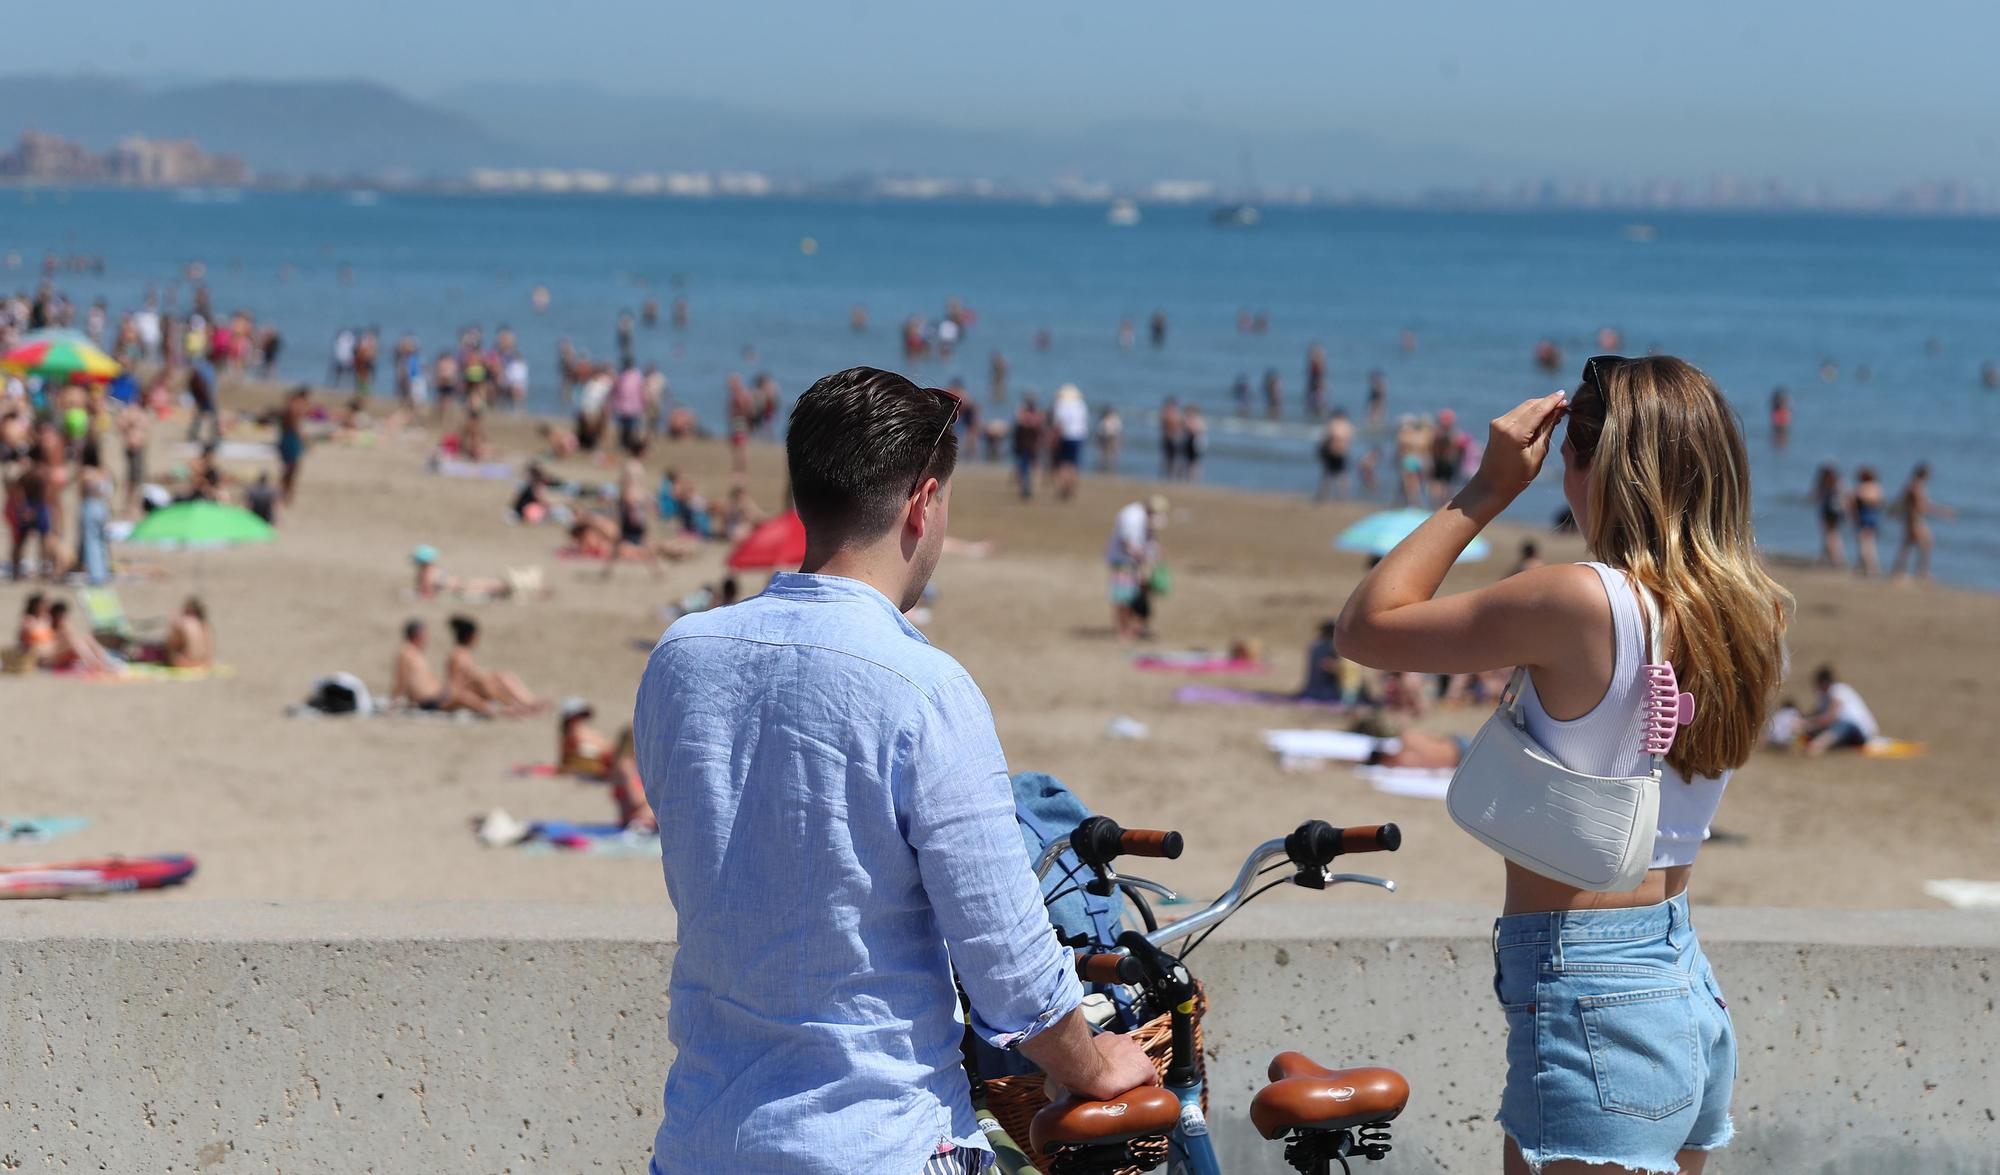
[[1594, 832]]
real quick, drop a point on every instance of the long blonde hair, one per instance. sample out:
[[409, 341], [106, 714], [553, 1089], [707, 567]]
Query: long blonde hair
[[1670, 506]]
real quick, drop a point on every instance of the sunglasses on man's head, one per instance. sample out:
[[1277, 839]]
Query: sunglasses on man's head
[[949, 420]]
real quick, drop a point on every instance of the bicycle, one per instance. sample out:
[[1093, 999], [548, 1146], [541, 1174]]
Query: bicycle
[[1325, 1116]]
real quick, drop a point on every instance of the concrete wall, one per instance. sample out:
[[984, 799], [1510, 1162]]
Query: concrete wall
[[336, 1038]]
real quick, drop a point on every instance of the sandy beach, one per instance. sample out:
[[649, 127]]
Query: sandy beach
[[298, 809]]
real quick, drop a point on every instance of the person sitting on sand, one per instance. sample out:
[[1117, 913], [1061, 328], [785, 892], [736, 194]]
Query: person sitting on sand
[[1325, 671], [531, 502], [463, 675], [35, 639], [1842, 721], [628, 790], [417, 687], [740, 514], [189, 644], [74, 647], [581, 749]]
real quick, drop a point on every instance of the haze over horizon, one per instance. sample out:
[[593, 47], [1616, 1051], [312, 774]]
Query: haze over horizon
[[1858, 98]]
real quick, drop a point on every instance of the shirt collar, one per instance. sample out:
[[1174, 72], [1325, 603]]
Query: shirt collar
[[825, 589]]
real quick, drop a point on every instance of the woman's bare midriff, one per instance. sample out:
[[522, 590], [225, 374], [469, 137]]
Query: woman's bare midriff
[[1529, 892]]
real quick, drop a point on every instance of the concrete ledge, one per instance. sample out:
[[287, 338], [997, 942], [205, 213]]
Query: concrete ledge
[[526, 1037]]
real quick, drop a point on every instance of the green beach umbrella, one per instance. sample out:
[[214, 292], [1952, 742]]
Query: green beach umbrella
[[201, 524], [1378, 534]]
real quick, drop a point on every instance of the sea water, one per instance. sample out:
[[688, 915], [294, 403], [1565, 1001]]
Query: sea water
[[1758, 301]]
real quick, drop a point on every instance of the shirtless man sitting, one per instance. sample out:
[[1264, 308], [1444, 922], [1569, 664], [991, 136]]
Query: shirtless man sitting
[[463, 675], [189, 643], [418, 688]]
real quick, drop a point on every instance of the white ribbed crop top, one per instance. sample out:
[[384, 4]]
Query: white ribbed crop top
[[1610, 740]]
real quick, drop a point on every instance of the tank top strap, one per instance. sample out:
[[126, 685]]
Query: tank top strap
[[1632, 621]]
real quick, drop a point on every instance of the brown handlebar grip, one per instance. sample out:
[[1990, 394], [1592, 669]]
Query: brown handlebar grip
[[1149, 842], [1107, 968], [1373, 838]]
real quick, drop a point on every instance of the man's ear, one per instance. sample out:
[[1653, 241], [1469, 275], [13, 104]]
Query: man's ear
[[917, 518]]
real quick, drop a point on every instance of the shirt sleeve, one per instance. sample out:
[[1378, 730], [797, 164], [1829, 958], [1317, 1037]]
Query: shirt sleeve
[[959, 812]]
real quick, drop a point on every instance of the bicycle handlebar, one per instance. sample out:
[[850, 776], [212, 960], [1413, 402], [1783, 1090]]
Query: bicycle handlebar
[[1109, 967], [1099, 840], [1311, 846]]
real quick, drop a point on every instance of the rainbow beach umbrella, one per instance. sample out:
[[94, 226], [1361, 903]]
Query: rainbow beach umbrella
[[60, 357]]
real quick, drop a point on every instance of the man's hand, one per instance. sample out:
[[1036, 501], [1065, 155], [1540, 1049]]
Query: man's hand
[[1093, 1067]]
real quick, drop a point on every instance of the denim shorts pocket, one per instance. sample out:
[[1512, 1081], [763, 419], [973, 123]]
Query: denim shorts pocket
[[1644, 1050]]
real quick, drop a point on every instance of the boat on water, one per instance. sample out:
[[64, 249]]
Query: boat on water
[[1122, 213], [1234, 216]]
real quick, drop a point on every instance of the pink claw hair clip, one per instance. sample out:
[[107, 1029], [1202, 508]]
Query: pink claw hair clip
[[1667, 708]]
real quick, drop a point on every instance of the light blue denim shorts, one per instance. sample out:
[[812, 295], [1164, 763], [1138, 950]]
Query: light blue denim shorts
[[1619, 1045]]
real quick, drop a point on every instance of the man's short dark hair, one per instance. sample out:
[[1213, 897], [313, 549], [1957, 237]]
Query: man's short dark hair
[[1823, 676], [463, 629], [859, 443], [412, 629]]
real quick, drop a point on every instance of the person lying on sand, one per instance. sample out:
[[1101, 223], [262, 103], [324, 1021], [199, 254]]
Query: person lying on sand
[[1415, 748], [432, 581], [628, 791], [418, 688], [74, 647], [463, 675]]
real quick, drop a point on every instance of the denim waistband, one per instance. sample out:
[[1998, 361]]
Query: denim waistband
[[1587, 925]]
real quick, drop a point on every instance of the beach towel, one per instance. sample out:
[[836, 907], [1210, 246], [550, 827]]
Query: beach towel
[[553, 771], [30, 830], [1961, 894], [1893, 748], [1195, 661], [1419, 783], [497, 829], [139, 672], [106, 875], [476, 470], [1225, 695], [1305, 748], [233, 451]]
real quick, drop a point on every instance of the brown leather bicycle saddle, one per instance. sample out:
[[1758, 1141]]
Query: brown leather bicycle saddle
[[1306, 1096], [1069, 1122]]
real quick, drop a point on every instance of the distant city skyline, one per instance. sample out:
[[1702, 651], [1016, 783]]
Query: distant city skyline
[[1861, 99]]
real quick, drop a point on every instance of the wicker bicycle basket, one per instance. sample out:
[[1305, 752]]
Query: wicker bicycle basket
[[1016, 1100]]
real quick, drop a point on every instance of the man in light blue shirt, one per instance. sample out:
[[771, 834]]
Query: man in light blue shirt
[[838, 837]]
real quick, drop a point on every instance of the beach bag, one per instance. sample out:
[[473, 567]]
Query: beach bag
[[1591, 831], [339, 693], [1160, 580]]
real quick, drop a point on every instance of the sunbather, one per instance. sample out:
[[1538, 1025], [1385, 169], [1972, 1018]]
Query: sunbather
[[581, 749], [74, 647], [463, 675], [417, 687], [190, 644]]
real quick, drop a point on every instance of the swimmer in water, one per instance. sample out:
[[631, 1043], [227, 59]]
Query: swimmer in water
[[1781, 417]]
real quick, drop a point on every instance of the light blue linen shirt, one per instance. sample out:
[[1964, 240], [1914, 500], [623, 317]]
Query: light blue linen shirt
[[838, 834]]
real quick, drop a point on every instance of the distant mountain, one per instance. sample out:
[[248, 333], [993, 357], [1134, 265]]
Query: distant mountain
[[362, 128], [324, 127], [580, 126]]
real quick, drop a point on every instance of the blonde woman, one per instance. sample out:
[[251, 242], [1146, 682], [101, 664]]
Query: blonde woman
[[1620, 1053]]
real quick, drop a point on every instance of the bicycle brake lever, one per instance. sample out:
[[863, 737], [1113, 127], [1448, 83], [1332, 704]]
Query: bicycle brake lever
[[1361, 879], [1141, 883]]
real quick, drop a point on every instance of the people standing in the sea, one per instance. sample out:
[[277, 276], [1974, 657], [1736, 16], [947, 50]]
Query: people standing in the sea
[[1110, 434], [342, 365], [628, 408], [1378, 400], [1548, 356], [1413, 444], [680, 313], [1158, 329], [624, 338], [367, 345], [1274, 394], [915, 345], [1070, 417], [857, 319], [292, 441], [741, 411], [1173, 437], [1335, 444], [1194, 445], [269, 344], [1830, 500], [1915, 508], [1781, 417], [1126, 335], [1868, 499], [1239, 395], [996, 378], [1989, 375], [1027, 443], [1448, 449], [1316, 381]]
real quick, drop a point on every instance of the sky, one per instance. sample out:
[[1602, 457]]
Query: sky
[[1807, 90]]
